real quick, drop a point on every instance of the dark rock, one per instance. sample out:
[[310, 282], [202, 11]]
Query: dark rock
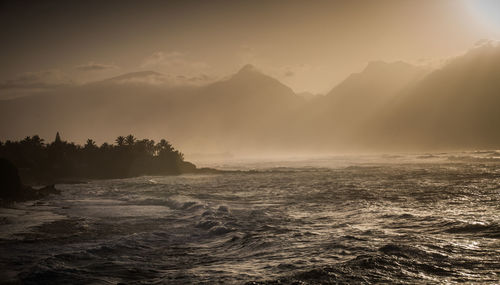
[[45, 191], [11, 188], [10, 183]]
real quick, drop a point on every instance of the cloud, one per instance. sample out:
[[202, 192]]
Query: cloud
[[200, 78], [431, 63], [248, 55], [174, 62], [288, 71], [437, 63], [141, 77], [93, 66], [36, 81], [158, 79], [486, 42], [161, 58], [174, 59], [181, 69]]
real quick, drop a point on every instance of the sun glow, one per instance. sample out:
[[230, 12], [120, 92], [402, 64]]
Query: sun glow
[[488, 12]]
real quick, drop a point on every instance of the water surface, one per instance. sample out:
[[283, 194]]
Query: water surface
[[391, 219]]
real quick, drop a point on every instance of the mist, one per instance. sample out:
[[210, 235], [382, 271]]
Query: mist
[[385, 107], [389, 81], [250, 142]]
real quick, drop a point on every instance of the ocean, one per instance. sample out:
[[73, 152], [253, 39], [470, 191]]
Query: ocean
[[406, 219]]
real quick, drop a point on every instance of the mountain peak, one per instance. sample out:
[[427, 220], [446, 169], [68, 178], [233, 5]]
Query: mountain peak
[[251, 82], [248, 68], [249, 72]]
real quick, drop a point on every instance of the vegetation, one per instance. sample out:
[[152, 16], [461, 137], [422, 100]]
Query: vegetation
[[61, 160]]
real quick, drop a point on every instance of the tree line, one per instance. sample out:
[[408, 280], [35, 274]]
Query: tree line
[[47, 162]]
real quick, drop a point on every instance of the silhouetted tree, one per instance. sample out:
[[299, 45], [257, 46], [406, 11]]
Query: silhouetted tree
[[57, 140], [61, 159], [164, 145], [90, 144], [130, 140], [106, 146], [120, 141]]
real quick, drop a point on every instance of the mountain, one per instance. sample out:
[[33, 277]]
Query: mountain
[[243, 110], [249, 84], [386, 106], [456, 106], [144, 77], [336, 117], [362, 93], [246, 110], [308, 95]]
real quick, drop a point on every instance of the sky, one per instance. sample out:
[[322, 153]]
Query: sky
[[308, 45]]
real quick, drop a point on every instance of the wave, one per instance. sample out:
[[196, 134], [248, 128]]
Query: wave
[[489, 230], [392, 263]]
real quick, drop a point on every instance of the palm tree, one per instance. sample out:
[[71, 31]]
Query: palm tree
[[105, 147], [164, 145], [147, 145], [120, 141], [90, 144], [36, 140], [130, 140]]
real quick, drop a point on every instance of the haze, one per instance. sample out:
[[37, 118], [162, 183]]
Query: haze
[[254, 77]]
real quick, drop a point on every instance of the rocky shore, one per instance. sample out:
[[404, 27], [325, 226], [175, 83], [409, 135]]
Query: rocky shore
[[13, 190]]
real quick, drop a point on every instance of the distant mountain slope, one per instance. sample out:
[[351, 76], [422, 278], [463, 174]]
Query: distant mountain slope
[[249, 84], [362, 93], [248, 109], [387, 106], [335, 117], [241, 110], [457, 106]]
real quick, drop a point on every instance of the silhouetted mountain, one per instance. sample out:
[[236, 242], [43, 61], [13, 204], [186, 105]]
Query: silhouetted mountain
[[247, 109], [454, 107], [387, 105], [335, 117], [362, 93], [249, 83], [308, 95], [240, 110]]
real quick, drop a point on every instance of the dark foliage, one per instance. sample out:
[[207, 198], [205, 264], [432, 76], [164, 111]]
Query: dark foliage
[[61, 160]]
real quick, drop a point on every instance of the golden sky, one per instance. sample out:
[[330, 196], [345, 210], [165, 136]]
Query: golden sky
[[308, 45]]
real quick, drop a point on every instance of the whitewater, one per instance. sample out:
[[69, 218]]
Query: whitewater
[[416, 218]]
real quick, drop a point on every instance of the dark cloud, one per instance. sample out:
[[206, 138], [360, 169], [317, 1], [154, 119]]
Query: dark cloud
[[92, 66]]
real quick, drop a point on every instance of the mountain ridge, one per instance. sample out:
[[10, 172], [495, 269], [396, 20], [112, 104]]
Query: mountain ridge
[[384, 106]]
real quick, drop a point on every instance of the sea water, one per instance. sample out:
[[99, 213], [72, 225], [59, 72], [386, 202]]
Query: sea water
[[393, 219]]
